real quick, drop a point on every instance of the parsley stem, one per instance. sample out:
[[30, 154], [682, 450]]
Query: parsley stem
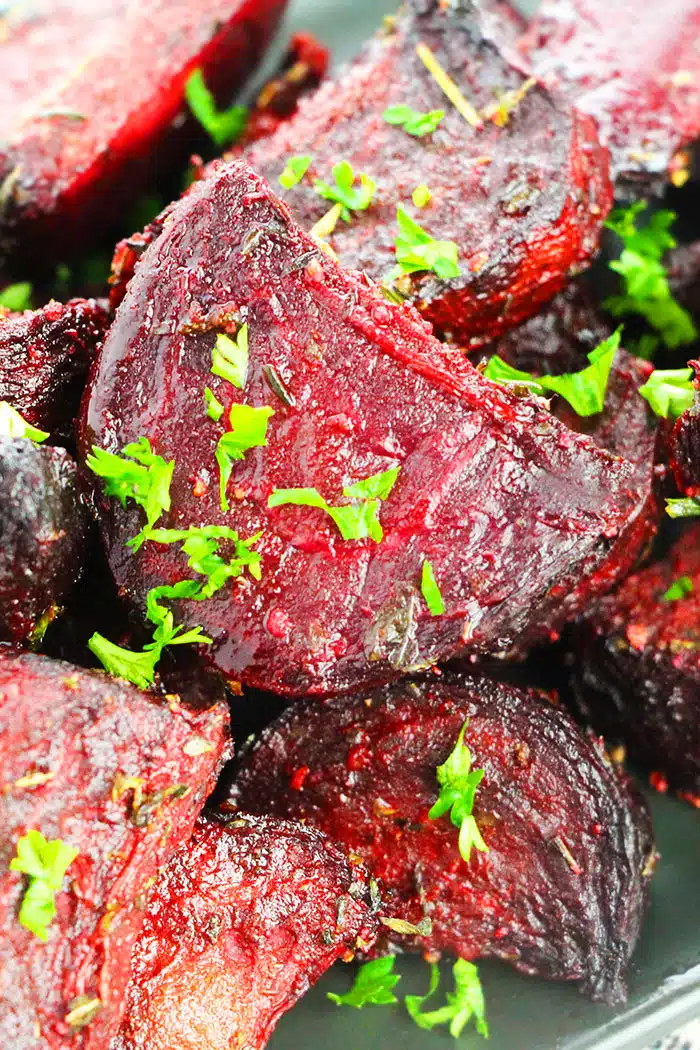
[[448, 87]]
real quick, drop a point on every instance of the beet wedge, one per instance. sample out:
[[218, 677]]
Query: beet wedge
[[241, 922], [685, 444], [522, 520], [119, 776], [523, 202], [91, 93], [562, 889]]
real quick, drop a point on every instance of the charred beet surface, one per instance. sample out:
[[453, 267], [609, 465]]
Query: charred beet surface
[[638, 676], [241, 922], [43, 531], [524, 202], [562, 889], [44, 359], [71, 744], [77, 130], [522, 520]]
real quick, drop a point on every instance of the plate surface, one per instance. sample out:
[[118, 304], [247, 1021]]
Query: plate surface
[[523, 1013]]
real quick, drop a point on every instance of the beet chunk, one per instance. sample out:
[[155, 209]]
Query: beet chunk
[[44, 359], [91, 91], [522, 520], [524, 202], [635, 69], [685, 444], [240, 923], [42, 535], [638, 665], [562, 889], [119, 775]]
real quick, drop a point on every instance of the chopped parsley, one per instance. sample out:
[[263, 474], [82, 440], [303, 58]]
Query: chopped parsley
[[137, 473], [646, 289], [215, 409], [45, 863], [499, 112], [13, 425], [416, 250], [17, 297], [680, 588], [201, 545], [373, 985], [458, 783], [430, 590], [412, 121], [669, 391], [344, 192], [355, 521], [683, 508], [421, 196], [248, 430], [584, 390], [229, 359], [463, 1005], [294, 171], [222, 126]]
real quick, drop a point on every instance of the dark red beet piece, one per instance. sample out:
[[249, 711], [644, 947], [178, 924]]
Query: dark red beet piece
[[242, 921], [638, 666], [43, 531], [91, 91], [71, 744], [635, 69], [524, 203], [44, 359], [685, 444], [522, 520], [562, 889]]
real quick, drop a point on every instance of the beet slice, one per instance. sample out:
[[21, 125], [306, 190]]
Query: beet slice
[[635, 69], [638, 666], [524, 203], [522, 520], [562, 889], [43, 531], [242, 921], [685, 444], [79, 133], [71, 744], [44, 359]]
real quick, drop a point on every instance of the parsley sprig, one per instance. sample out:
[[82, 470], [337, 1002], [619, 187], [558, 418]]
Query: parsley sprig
[[355, 521], [230, 357], [417, 251], [669, 391], [465, 1003], [294, 171], [345, 192], [13, 425], [248, 430], [372, 986], [45, 862], [136, 473], [688, 507], [224, 126], [412, 120], [16, 297], [680, 588], [430, 590], [458, 784]]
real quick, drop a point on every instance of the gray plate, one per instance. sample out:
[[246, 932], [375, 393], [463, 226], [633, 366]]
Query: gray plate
[[523, 1013]]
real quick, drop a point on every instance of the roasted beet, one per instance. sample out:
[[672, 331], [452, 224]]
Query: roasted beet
[[635, 69], [91, 91], [562, 889], [522, 520], [637, 672], [42, 535], [683, 270], [119, 775], [685, 444], [240, 923], [524, 202], [44, 358]]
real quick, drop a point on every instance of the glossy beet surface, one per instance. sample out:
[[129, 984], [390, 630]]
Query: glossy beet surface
[[634, 67], [90, 91], [638, 675], [241, 922], [522, 520], [524, 203], [562, 889], [120, 775], [43, 535]]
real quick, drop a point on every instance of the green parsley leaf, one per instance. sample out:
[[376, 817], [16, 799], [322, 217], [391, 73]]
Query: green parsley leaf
[[136, 667], [683, 508], [680, 588], [14, 426], [669, 391], [458, 783], [355, 521], [17, 297], [421, 195], [430, 590], [463, 1005], [345, 193], [294, 171], [223, 126], [248, 430], [215, 409], [230, 359], [45, 862], [412, 121], [144, 477], [201, 545], [378, 486], [373, 985], [416, 250]]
